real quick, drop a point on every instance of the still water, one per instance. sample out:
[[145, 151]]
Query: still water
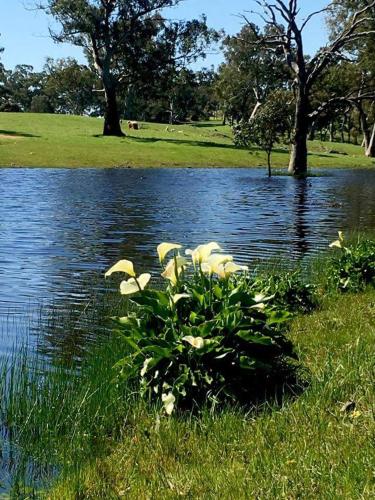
[[60, 229]]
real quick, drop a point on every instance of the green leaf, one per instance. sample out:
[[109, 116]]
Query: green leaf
[[278, 317], [254, 338], [218, 292], [247, 363]]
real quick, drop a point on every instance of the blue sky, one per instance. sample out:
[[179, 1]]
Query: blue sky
[[24, 32]]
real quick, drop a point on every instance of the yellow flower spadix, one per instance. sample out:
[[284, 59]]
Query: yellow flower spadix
[[164, 248], [123, 266], [133, 285]]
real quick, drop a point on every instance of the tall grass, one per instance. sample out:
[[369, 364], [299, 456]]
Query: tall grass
[[56, 416]]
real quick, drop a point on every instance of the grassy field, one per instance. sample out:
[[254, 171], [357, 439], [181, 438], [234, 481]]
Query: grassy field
[[309, 448], [41, 140]]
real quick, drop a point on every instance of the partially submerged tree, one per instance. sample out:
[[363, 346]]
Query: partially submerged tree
[[268, 127], [124, 40], [281, 16]]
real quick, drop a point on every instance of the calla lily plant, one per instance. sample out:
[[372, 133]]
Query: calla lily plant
[[205, 323]]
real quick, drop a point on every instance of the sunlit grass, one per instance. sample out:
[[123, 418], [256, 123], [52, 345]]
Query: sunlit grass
[[42, 140]]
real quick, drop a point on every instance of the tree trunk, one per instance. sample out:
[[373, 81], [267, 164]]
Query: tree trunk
[[255, 110], [370, 151], [298, 157], [364, 127], [331, 132], [269, 163], [111, 117], [312, 132]]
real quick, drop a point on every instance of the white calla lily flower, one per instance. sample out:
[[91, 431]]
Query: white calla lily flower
[[176, 298], [174, 268], [335, 244], [134, 285], [122, 266], [338, 243], [197, 342], [202, 252], [224, 271], [259, 307], [259, 297], [214, 263], [164, 248], [145, 366], [206, 269], [168, 401]]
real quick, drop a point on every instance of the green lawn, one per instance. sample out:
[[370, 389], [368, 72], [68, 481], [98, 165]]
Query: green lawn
[[310, 448], [41, 140]]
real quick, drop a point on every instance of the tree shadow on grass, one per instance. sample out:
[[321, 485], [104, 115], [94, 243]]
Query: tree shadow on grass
[[186, 142], [320, 155], [205, 125], [14, 133]]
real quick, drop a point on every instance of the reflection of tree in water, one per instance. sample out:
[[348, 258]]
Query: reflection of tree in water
[[300, 242]]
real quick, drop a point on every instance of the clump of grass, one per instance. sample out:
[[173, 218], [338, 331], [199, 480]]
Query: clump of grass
[[54, 416]]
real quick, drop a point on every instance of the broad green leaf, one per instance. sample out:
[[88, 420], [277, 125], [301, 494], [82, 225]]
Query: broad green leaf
[[254, 338]]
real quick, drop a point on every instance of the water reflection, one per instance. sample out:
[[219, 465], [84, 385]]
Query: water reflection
[[61, 228], [301, 245]]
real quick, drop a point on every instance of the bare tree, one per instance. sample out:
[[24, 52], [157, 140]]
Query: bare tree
[[281, 16]]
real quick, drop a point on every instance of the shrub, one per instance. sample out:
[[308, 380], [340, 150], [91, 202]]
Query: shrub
[[209, 337], [354, 268], [289, 291]]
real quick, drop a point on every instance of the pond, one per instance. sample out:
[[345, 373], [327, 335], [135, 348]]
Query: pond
[[60, 229]]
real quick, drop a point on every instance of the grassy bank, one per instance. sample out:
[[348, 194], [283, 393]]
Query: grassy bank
[[42, 140], [77, 433], [308, 448]]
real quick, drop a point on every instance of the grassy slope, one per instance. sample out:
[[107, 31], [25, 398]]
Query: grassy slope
[[307, 449], [73, 141]]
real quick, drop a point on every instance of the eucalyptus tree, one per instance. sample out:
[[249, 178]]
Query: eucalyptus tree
[[268, 126], [124, 40], [363, 51], [69, 86], [248, 74], [24, 84], [287, 34]]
